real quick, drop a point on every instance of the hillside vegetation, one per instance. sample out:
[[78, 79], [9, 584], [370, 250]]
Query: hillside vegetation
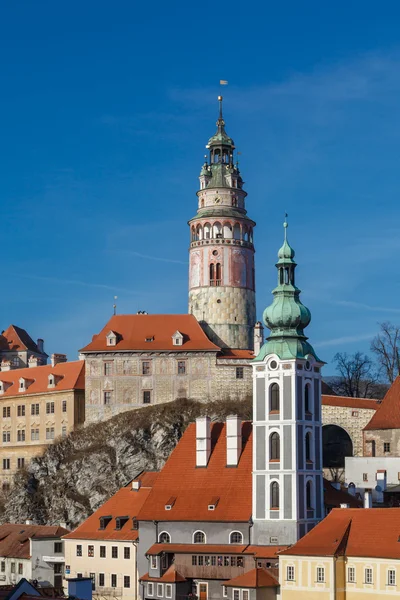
[[77, 474]]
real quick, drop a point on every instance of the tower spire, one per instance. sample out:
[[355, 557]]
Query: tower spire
[[287, 317]]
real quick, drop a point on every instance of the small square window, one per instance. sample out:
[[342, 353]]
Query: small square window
[[114, 552], [181, 367], [354, 413], [239, 372], [20, 568], [365, 476], [79, 550], [146, 367], [57, 547], [386, 447]]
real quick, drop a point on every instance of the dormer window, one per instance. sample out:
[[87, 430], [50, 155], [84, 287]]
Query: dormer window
[[120, 522], [24, 384], [104, 521], [111, 338], [213, 503], [170, 503], [149, 338], [177, 339]]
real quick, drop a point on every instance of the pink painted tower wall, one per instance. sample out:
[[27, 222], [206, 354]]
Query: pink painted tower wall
[[221, 265]]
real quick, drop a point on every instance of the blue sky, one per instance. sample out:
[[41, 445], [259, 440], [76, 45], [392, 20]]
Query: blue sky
[[105, 109]]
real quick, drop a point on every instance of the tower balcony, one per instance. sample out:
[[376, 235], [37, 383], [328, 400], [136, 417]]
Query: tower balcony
[[227, 241]]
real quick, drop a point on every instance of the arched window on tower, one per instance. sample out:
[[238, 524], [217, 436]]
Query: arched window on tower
[[274, 446], [274, 495], [212, 274], [308, 447], [207, 230], [194, 237], [218, 274], [217, 155], [274, 398], [202, 203], [236, 231], [307, 399], [309, 501]]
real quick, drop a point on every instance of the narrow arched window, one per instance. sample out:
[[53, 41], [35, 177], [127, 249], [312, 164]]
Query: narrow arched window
[[274, 496], [274, 397], [199, 537], [218, 274], [309, 495], [164, 538], [274, 446], [308, 446], [202, 203], [236, 538], [212, 274], [307, 399]]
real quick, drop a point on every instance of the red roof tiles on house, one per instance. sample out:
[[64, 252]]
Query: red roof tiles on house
[[15, 338], [258, 551], [235, 353], [369, 532], [194, 487], [171, 575], [350, 402], [133, 330], [69, 376], [334, 498], [388, 414], [127, 502], [14, 538], [256, 578]]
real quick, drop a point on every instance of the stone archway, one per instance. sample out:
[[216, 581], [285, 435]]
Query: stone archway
[[336, 445]]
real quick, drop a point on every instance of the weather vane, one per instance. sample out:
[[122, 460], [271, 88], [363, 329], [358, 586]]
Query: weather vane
[[115, 304]]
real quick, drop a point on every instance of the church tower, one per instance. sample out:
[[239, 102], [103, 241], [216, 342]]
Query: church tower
[[221, 256], [287, 429]]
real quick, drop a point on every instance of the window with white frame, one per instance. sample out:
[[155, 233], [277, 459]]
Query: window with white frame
[[164, 538], [368, 575], [351, 574], [224, 591], [168, 590], [199, 537], [391, 577], [150, 589], [153, 562], [290, 573], [160, 589], [236, 537], [245, 594], [320, 574], [236, 595]]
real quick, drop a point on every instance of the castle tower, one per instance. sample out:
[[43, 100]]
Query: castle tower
[[287, 446], [221, 265]]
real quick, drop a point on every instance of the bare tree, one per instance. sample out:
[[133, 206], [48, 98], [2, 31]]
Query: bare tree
[[386, 347], [357, 377]]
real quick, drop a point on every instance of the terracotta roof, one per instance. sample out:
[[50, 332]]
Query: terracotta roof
[[369, 533], [235, 353], [133, 330], [350, 402], [14, 538], [256, 578], [71, 377], [194, 487], [333, 498], [127, 502], [171, 575], [388, 414], [257, 551], [16, 338]]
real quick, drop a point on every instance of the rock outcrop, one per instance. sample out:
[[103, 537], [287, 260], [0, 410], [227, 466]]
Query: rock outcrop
[[77, 474]]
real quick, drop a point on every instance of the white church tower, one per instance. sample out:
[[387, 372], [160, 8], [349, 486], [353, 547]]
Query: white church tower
[[287, 446]]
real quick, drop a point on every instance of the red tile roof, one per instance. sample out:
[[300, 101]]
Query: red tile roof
[[133, 330], [235, 353], [14, 538], [257, 551], [334, 498], [193, 488], [16, 338], [127, 502], [69, 376], [171, 575], [388, 414], [256, 578], [368, 532], [350, 402]]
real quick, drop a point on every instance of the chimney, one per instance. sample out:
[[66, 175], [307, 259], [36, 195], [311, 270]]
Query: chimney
[[258, 337], [5, 365], [343, 505], [28, 522], [58, 358], [203, 441], [136, 485], [367, 499], [40, 345], [233, 440], [33, 361]]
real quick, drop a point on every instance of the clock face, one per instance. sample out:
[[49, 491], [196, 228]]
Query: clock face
[[217, 200]]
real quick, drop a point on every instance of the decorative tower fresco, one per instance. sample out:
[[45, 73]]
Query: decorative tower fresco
[[221, 266], [287, 446]]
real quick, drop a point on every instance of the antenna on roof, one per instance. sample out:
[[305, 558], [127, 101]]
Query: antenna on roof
[[115, 304]]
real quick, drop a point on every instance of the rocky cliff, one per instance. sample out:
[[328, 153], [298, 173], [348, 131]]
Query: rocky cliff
[[78, 473]]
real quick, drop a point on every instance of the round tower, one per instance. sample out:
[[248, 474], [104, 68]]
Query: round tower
[[221, 256]]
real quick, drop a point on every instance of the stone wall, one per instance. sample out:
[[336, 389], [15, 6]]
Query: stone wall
[[352, 420], [375, 440], [205, 378]]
